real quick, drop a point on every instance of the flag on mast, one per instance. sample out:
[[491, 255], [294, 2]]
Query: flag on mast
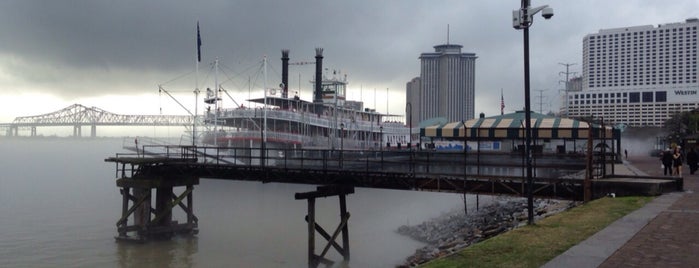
[[502, 103], [198, 44]]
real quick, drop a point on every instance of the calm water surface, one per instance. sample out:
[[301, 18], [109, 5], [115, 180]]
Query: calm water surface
[[59, 205]]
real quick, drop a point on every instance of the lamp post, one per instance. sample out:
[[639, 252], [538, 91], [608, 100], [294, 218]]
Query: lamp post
[[409, 111], [522, 19], [342, 142], [381, 144]]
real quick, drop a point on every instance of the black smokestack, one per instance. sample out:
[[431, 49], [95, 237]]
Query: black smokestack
[[285, 73], [317, 94]]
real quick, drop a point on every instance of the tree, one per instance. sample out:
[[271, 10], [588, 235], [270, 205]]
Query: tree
[[682, 124]]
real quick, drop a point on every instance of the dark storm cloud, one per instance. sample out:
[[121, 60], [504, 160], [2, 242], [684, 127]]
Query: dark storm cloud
[[89, 35], [99, 37], [89, 48], [93, 34]]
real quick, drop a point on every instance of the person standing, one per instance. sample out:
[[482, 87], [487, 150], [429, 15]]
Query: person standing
[[666, 159], [626, 153], [677, 161], [692, 160]]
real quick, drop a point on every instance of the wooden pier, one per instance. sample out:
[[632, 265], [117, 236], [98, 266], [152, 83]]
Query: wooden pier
[[154, 221], [169, 173]]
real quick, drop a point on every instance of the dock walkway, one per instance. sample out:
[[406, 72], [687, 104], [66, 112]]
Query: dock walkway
[[663, 233]]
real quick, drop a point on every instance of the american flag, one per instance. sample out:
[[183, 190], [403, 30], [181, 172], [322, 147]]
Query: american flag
[[198, 44], [502, 103]]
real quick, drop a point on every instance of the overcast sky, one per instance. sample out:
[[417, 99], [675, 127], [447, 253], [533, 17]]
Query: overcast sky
[[114, 54]]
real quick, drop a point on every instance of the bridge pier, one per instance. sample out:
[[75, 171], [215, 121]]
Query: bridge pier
[[93, 131], [341, 191], [155, 220], [77, 131]]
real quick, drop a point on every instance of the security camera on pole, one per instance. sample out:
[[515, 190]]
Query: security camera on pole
[[522, 19]]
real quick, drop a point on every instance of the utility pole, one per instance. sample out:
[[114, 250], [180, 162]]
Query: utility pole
[[566, 83], [541, 100]]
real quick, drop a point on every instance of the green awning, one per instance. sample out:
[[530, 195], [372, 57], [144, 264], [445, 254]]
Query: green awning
[[511, 126]]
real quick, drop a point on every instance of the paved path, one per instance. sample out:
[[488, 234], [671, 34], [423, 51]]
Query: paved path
[[663, 233]]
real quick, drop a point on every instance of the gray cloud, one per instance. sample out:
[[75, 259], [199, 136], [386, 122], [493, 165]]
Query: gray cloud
[[90, 48]]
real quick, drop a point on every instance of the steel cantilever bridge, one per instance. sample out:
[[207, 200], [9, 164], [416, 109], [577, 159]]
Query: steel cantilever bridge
[[78, 116]]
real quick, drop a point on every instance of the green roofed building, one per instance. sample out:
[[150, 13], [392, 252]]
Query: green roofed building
[[505, 133]]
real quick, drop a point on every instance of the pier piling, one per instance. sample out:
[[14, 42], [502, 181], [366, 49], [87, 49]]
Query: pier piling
[[154, 219], [341, 191]]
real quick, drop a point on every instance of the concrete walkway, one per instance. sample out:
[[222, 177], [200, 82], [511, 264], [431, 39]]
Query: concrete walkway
[[663, 233]]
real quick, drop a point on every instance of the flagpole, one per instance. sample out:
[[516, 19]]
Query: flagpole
[[196, 89], [263, 143], [264, 127], [196, 105]]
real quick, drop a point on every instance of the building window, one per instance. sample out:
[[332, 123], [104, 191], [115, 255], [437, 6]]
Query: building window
[[647, 96], [660, 96], [634, 97]]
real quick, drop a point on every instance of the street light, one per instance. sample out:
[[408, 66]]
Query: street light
[[381, 144], [522, 19], [409, 111], [342, 142]]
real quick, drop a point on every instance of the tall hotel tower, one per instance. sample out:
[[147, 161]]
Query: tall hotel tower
[[640, 75], [447, 84]]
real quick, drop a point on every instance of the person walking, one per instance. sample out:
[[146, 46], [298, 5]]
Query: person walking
[[692, 160], [677, 161], [666, 159]]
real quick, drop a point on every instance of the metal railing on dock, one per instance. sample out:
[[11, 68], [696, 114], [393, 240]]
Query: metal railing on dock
[[411, 163]]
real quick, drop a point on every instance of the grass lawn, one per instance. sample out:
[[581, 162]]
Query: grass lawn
[[534, 245]]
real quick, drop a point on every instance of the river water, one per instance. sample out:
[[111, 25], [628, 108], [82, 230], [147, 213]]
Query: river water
[[59, 205]]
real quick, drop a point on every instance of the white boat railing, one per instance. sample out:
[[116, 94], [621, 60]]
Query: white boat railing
[[313, 119], [296, 138]]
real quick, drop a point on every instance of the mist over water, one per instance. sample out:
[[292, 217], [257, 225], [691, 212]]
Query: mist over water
[[640, 141], [59, 205]]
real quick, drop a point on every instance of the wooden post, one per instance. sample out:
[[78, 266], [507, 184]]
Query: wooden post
[[124, 211], [587, 183], [142, 212], [325, 191], [163, 210], [344, 216], [312, 262], [190, 206]]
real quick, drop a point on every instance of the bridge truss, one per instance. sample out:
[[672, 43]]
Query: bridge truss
[[78, 115]]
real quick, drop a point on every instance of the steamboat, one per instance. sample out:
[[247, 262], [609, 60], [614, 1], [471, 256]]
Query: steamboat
[[329, 121]]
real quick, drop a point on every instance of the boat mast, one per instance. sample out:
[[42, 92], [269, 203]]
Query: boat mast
[[264, 124], [216, 102]]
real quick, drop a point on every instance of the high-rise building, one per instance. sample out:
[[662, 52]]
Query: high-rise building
[[412, 97], [447, 84], [640, 75]]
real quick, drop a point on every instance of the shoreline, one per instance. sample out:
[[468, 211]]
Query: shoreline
[[454, 230]]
